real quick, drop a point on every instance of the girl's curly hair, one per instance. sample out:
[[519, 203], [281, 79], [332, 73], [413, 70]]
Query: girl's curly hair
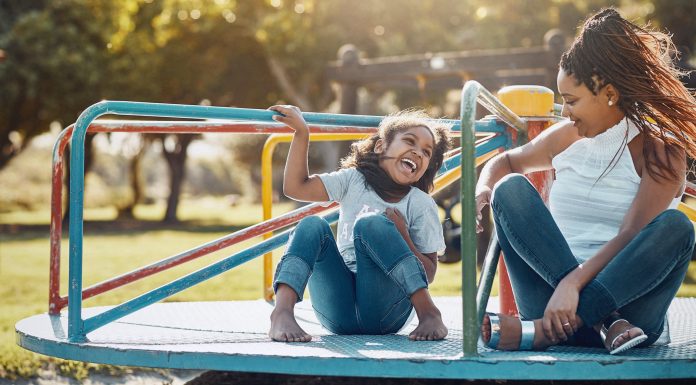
[[365, 160], [637, 62]]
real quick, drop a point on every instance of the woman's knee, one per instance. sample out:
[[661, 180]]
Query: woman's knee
[[510, 187], [677, 225]]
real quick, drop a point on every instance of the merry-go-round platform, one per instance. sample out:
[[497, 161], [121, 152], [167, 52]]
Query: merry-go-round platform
[[233, 336]]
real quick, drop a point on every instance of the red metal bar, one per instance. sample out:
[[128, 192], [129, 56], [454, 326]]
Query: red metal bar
[[210, 247], [690, 189], [542, 182], [57, 220], [56, 302]]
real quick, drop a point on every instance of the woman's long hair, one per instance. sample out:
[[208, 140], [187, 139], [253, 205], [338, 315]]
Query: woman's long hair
[[365, 160], [637, 62]]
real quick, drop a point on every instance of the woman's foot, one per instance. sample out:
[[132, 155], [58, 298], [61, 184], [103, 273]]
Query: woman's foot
[[430, 328], [510, 333], [620, 335], [284, 327]]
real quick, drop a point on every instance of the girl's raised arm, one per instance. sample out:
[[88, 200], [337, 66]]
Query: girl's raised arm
[[297, 183]]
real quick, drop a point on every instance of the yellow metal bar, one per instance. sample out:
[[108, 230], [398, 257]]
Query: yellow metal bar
[[267, 190], [267, 187], [688, 210]]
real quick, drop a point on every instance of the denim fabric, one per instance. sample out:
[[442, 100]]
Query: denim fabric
[[373, 300], [640, 281]]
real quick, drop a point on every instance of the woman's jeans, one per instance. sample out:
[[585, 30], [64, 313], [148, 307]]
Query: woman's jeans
[[639, 282], [375, 299]]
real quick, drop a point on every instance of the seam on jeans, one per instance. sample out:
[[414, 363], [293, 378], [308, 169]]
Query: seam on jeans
[[658, 279], [304, 284], [512, 234], [403, 288], [378, 261], [324, 318], [397, 319]]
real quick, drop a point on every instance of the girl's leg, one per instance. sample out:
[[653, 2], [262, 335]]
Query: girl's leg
[[311, 248], [643, 278], [390, 281]]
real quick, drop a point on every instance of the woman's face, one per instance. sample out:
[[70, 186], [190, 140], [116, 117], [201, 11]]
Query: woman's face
[[591, 114], [407, 157]]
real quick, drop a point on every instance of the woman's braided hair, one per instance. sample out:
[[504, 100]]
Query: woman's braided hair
[[638, 63]]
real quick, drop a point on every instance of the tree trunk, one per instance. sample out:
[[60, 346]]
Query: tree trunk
[[136, 182], [89, 157], [176, 160]]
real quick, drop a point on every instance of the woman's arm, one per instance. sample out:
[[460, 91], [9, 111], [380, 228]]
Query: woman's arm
[[533, 156], [297, 183], [652, 198], [429, 260]]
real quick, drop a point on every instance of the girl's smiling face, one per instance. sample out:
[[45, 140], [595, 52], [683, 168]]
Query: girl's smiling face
[[591, 114], [408, 155]]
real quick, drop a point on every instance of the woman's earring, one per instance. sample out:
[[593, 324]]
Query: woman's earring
[[611, 103]]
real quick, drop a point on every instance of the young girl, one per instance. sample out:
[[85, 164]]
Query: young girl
[[602, 263], [389, 234]]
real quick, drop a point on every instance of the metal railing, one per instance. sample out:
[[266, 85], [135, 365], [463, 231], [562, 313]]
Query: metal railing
[[245, 121]]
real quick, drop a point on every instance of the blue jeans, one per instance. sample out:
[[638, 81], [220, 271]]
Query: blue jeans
[[639, 282], [373, 300]]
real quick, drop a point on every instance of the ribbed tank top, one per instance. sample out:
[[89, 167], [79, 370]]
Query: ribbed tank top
[[588, 210]]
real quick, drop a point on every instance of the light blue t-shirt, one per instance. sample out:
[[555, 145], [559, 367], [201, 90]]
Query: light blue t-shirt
[[347, 187]]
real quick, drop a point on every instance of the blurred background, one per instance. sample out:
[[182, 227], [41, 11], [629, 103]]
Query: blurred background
[[148, 196]]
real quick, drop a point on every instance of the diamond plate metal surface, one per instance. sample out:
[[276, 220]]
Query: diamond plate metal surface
[[224, 330]]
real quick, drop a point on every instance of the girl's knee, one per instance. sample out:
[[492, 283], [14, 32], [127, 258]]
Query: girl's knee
[[370, 224], [313, 223]]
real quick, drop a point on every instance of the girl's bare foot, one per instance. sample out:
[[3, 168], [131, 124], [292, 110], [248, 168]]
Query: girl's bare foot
[[430, 328], [511, 333], [284, 327]]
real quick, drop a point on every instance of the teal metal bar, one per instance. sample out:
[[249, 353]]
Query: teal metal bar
[[471, 93], [502, 141], [490, 264], [228, 263], [470, 333], [192, 279], [76, 325]]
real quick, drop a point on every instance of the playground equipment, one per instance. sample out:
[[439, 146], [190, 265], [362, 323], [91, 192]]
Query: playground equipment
[[232, 335]]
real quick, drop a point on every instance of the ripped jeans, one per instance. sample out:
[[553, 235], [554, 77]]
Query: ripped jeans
[[639, 282], [373, 300]]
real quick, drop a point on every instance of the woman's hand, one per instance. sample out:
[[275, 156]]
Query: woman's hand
[[559, 320], [292, 117], [483, 197]]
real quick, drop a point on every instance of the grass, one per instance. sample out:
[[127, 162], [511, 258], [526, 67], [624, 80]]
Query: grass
[[109, 252]]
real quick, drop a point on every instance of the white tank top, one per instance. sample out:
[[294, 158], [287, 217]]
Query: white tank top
[[588, 210]]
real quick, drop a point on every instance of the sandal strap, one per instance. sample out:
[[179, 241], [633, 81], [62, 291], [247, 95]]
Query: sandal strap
[[495, 331], [527, 338]]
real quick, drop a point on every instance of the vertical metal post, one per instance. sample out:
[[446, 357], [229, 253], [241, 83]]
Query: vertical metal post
[[529, 101], [77, 190], [468, 225]]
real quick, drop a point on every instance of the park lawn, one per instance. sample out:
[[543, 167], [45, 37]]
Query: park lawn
[[24, 275]]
